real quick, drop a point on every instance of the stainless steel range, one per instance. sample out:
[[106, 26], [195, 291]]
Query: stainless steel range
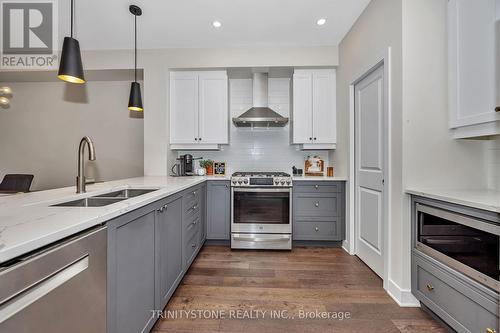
[[261, 214]]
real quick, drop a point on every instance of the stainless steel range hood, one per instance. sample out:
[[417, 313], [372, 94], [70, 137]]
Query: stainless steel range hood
[[260, 115]]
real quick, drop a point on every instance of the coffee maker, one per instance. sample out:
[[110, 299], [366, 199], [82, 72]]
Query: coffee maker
[[185, 167]]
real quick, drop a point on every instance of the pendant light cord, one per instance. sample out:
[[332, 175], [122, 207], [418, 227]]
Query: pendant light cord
[[135, 48]]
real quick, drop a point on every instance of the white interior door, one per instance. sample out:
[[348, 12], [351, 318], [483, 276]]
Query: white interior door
[[369, 166]]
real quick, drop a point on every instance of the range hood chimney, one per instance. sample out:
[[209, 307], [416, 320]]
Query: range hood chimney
[[260, 115]]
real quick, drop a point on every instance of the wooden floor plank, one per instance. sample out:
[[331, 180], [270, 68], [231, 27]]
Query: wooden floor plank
[[284, 286]]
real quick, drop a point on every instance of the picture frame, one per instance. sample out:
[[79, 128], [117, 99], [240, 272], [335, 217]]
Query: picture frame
[[219, 168]]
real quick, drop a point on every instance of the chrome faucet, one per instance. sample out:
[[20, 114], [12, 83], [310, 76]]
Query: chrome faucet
[[80, 179]]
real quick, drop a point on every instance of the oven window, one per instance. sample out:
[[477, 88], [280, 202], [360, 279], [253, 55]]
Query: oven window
[[472, 247], [262, 207]]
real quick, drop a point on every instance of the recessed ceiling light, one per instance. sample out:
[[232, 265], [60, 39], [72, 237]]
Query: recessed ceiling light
[[217, 24], [321, 21]]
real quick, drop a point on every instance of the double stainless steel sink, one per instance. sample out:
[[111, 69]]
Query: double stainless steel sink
[[106, 199]]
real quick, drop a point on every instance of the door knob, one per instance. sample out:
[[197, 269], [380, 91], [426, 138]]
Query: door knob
[[490, 330], [430, 287]]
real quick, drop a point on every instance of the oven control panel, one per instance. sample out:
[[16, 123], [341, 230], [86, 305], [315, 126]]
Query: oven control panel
[[261, 181]]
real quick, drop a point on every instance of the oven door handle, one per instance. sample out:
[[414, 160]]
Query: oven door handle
[[262, 189], [284, 238]]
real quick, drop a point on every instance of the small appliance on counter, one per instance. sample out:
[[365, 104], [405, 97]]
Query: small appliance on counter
[[185, 167], [314, 166]]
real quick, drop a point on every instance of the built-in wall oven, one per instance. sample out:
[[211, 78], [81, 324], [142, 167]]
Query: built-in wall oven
[[469, 245], [261, 214]]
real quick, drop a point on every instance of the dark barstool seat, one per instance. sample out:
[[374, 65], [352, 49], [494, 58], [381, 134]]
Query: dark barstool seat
[[14, 183]]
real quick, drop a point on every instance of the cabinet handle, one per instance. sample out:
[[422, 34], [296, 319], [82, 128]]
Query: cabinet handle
[[316, 186], [430, 287], [199, 139], [315, 139], [194, 192], [195, 139], [316, 229], [193, 245], [316, 204], [160, 210], [310, 139], [497, 109], [490, 330]]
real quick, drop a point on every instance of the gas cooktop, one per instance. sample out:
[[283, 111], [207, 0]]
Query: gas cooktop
[[260, 174], [261, 179]]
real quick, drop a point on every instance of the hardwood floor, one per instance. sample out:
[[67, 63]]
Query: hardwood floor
[[237, 291]]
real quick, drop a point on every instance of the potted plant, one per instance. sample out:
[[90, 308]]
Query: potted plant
[[208, 165]]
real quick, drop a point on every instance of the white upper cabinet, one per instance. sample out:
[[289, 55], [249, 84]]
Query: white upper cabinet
[[472, 68], [314, 109], [199, 117]]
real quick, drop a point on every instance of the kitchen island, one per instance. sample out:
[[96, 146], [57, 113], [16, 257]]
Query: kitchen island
[[28, 222]]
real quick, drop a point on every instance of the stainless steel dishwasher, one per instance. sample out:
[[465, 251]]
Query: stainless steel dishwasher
[[61, 288]]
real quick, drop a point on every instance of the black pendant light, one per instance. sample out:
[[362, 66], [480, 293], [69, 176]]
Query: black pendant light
[[70, 67], [135, 100]]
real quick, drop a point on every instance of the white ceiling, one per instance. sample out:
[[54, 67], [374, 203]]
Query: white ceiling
[[188, 23]]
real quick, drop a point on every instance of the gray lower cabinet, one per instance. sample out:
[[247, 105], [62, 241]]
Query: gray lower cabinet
[[318, 211], [218, 210], [461, 301], [131, 272], [169, 261], [149, 251]]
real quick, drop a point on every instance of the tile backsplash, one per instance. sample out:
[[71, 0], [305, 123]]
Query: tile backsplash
[[259, 149]]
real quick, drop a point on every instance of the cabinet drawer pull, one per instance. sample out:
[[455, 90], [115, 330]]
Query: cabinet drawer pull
[[490, 330], [160, 210], [316, 186], [316, 229], [430, 287]]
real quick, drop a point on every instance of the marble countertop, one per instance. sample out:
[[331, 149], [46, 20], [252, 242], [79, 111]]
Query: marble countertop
[[476, 198], [27, 221], [318, 178]]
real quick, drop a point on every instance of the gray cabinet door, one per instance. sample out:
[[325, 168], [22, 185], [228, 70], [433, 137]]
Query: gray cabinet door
[[169, 250], [218, 210], [131, 271]]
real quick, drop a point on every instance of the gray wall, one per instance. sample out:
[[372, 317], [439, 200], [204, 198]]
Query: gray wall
[[40, 132], [378, 28]]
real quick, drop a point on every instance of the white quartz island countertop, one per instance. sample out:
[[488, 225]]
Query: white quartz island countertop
[[478, 198], [28, 222]]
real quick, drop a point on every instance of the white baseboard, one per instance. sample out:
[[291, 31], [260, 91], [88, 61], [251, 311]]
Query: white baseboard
[[347, 247], [404, 298]]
